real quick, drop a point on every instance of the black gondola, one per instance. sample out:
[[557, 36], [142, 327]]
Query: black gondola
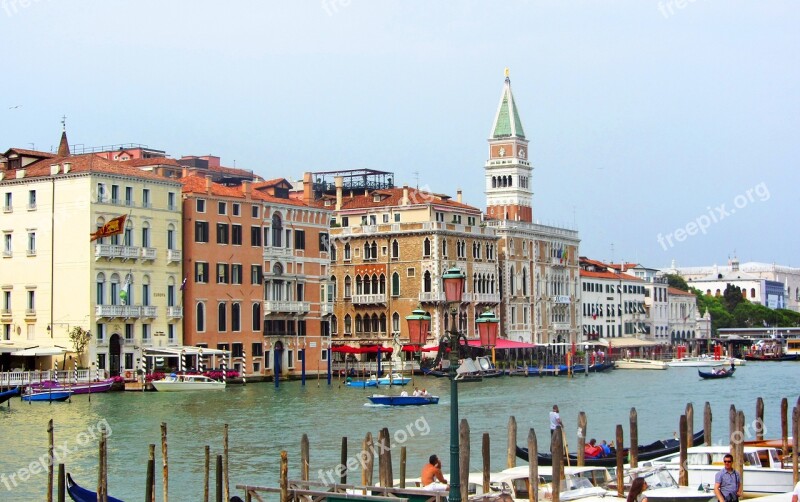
[[717, 373], [80, 494], [646, 452], [8, 394]]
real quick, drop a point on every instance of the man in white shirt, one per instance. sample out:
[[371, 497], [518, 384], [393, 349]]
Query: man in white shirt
[[796, 492], [555, 419]]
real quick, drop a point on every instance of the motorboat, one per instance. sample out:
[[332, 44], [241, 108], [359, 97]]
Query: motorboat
[[179, 383], [694, 362], [725, 360], [361, 384], [644, 452], [46, 395], [391, 379], [579, 483], [403, 400], [717, 373], [78, 388], [640, 364], [662, 487], [8, 394], [81, 494], [763, 472]]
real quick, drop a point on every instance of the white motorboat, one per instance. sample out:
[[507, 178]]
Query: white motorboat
[[726, 361], [694, 362], [640, 364], [586, 484], [391, 379], [763, 472], [662, 487], [176, 383]]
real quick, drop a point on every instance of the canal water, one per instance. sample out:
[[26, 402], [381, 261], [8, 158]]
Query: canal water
[[264, 420]]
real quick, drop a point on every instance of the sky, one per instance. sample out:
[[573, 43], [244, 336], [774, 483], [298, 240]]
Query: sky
[[662, 130]]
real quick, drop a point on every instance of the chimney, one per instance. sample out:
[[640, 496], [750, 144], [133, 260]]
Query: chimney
[[184, 172], [67, 167], [308, 188], [246, 189], [458, 195], [209, 184], [404, 202], [3, 164], [338, 182], [54, 169], [20, 173]]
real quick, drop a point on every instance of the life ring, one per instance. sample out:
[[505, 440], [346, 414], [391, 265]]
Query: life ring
[[128, 375]]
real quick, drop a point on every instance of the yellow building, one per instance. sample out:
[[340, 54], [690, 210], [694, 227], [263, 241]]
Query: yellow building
[[124, 289], [389, 249]]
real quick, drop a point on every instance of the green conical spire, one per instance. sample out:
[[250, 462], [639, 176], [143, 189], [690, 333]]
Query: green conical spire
[[507, 122]]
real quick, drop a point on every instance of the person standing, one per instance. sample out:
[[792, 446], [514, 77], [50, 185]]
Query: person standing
[[555, 419], [796, 492], [727, 483]]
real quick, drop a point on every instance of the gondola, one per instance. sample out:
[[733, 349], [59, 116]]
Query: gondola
[[8, 394], [646, 452], [722, 373], [80, 494]]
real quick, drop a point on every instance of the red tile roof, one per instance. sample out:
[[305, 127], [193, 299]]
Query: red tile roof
[[195, 184], [609, 275], [30, 153], [394, 196], [152, 161], [678, 292], [89, 163]]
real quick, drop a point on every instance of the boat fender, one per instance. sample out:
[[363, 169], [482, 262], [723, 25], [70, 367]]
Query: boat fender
[[128, 375]]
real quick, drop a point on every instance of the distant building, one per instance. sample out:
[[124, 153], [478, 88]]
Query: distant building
[[613, 303]]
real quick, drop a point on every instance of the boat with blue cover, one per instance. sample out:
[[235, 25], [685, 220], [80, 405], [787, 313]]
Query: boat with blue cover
[[361, 384], [403, 400], [8, 394], [79, 494], [47, 395]]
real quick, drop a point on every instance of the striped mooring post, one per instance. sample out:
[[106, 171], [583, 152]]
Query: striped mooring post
[[183, 361], [143, 367], [55, 373], [97, 369], [244, 366], [75, 371], [201, 364], [224, 369]]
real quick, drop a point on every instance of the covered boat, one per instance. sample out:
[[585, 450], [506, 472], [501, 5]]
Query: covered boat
[[8, 394], [47, 395], [403, 400], [78, 388], [392, 379], [361, 384], [176, 383], [80, 494], [646, 452]]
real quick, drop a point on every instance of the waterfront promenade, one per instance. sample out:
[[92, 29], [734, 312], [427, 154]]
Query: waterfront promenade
[[264, 420]]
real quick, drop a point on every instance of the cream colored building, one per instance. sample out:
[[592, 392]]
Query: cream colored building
[[124, 289]]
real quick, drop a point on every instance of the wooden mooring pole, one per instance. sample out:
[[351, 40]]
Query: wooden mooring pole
[[533, 469], [403, 466], [557, 454], [511, 451], [207, 473], [581, 438], [50, 453], [759, 419], [486, 456], [62, 484], [164, 462], [463, 460], [218, 480], [683, 473], [284, 476], [634, 450], [304, 461], [707, 417], [226, 480], [149, 481], [343, 462], [620, 461]]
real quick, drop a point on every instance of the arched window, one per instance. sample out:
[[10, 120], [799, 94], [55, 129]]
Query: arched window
[[222, 321], [426, 247], [382, 284], [359, 286], [374, 250], [427, 285], [444, 248], [347, 252], [375, 284], [359, 324], [334, 325], [332, 289], [367, 251], [524, 281], [277, 230], [752, 292], [171, 236], [395, 284], [145, 235], [236, 317], [347, 287], [114, 291], [146, 290], [257, 316], [348, 327], [512, 281], [201, 317], [128, 236], [101, 289], [395, 249], [333, 252], [396, 322], [170, 292], [376, 326]]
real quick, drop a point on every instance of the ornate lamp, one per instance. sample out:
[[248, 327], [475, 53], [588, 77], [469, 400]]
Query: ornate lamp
[[419, 324], [488, 326], [453, 281]]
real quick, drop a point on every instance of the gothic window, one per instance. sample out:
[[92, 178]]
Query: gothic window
[[426, 247], [395, 284], [426, 282]]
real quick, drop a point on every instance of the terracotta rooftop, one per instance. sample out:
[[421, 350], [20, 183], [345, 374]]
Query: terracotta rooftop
[[30, 153], [609, 275], [678, 292], [152, 161], [394, 196], [88, 163], [196, 184]]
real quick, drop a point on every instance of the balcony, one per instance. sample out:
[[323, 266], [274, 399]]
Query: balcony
[[432, 297], [149, 254], [174, 255], [326, 308], [558, 262], [486, 297], [286, 307], [271, 253], [111, 251], [376, 299], [149, 311], [121, 311], [561, 299], [174, 312]]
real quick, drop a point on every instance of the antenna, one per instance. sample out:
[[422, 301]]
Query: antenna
[[33, 147], [63, 122], [416, 177]]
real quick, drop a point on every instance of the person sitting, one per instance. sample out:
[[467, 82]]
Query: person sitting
[[404, 394], [606, 448], [416, 392], [432, 473], [424, 393], [591, 450]]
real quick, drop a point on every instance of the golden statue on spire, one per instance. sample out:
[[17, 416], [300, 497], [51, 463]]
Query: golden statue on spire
[[506, 71]]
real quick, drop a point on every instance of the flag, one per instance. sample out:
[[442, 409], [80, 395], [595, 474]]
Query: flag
[[114, 226], [123, 293], [183, 284]]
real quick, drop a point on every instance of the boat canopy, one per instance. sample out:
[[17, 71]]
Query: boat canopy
[[625, 342], [41, 351]]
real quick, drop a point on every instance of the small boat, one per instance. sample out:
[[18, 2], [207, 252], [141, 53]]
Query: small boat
[[80, 494], [176, 383], [640, 364], [8, 394], [717, 373], [662, 487], [361, 384], [577, 484], [393, 379], [79, 388], [646, 452], [403, 400], [47, 395], [694, 362], [752, 356]]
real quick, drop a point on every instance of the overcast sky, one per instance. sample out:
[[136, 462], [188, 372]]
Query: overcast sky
[[659, 130]]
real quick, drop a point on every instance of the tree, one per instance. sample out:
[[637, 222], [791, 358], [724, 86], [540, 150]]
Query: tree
[[80, 338], [676, 281], [732, 297]]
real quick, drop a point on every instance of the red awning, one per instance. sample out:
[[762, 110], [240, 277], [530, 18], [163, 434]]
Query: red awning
[[364, 349], [503, 343]]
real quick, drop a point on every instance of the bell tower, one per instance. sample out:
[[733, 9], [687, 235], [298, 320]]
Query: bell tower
[[508, 171]]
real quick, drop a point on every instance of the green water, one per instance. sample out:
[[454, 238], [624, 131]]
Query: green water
[[264, 420]]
